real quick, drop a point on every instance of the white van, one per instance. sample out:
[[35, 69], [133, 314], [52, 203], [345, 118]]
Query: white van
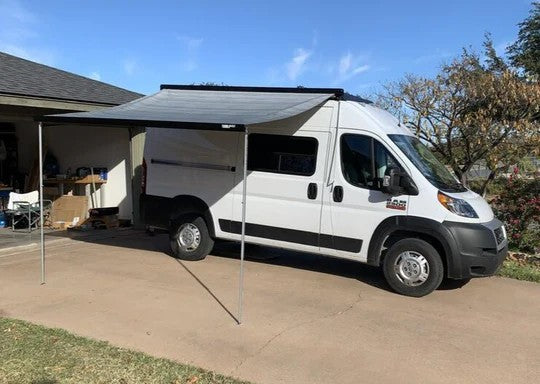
[[344, 179]]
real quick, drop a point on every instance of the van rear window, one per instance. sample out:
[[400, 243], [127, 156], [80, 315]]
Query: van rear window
[[292, 155]]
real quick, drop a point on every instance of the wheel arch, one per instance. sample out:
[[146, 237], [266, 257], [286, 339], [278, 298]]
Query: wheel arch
[[183, 205], [395, 228]]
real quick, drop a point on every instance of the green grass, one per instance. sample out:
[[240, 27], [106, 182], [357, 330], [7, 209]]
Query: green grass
[[34, 354], [515, 270]]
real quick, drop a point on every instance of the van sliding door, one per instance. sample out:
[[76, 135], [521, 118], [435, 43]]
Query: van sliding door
[[285, 189]]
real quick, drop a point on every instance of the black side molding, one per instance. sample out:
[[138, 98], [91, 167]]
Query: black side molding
[[293, 236]]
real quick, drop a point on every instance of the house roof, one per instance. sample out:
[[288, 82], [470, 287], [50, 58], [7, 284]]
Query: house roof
[[26, 78]]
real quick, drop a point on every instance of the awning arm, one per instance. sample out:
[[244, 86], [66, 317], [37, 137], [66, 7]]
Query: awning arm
[[242, 240], [41, 235]]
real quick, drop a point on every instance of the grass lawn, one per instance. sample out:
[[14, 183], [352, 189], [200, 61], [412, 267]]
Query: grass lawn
[[516, 270], [34, 354]]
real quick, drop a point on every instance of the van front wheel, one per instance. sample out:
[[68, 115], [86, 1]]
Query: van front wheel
[[190, 239], [412, 267]]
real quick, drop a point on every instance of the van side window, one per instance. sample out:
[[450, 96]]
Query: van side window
[[364, 160], [356, 160], [292, 155], [383, 160]]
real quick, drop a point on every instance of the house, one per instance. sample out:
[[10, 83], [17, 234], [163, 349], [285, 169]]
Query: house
[[29, 89]]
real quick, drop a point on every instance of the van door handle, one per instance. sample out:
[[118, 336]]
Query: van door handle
[[312, 191], [338, 193]]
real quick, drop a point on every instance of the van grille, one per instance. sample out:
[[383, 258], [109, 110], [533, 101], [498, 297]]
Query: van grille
[[499, 235]]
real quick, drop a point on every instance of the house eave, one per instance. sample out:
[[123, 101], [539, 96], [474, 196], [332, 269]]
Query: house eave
[[48, 103]]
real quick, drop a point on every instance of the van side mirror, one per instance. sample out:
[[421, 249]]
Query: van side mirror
[[396, 182], [408, 185], [391, 181]]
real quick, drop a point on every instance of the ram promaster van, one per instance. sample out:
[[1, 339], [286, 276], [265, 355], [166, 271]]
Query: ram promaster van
[[344, 179]]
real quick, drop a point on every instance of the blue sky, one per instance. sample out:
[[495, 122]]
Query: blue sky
[[357, 45]]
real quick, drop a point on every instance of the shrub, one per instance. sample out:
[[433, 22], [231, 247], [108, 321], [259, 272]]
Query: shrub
[[493, 189], [518, 206]]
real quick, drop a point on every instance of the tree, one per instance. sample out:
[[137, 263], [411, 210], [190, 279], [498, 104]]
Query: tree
[[525, 52], [470, 112]]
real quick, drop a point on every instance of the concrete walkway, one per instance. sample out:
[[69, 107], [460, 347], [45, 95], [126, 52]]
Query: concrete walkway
[[307, 319], [22, 240], [15, 241]]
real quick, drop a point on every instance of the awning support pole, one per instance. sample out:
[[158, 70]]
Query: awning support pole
[[242, 241], [42, 242]]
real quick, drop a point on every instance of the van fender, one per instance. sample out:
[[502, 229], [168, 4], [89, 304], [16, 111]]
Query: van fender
[[411, 225]]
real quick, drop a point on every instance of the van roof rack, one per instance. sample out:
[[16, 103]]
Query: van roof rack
[[350, 97], [338, 92]]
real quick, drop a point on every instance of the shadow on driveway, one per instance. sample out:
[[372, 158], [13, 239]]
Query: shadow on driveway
[[139, 239]]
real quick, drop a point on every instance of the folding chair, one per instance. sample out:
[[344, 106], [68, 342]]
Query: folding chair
[[25, 207]]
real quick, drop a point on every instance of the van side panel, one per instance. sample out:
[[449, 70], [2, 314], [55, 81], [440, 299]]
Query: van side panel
[[201, 164]]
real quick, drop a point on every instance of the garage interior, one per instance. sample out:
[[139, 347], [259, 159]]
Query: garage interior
[[71, 153]]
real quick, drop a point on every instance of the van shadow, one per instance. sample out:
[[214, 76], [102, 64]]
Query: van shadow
[[307, 261], [317, 263], [159, 242]]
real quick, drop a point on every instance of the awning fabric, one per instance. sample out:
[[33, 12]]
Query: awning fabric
[[204, 107]]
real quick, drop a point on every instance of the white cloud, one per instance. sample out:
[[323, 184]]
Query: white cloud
[[130, 66], [349, 65], [438, 55], [190, 47], [297, 64], [95, 75], [360, 69], [190, 42], [315, 38], [190, 65], [15, 10], [18, 32], [38, 55], [345, 63]]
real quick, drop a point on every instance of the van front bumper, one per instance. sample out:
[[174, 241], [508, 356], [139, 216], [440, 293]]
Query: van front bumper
[[478, 249]]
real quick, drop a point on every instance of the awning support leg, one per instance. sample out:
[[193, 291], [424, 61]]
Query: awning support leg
[[242, 241], [41, 236]]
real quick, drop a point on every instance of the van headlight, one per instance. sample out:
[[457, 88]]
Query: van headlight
[[458, 206]]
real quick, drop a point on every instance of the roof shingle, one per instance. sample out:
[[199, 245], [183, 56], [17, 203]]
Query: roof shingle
[[27, 78]]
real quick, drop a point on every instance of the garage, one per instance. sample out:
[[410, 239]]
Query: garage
[[99, 163]]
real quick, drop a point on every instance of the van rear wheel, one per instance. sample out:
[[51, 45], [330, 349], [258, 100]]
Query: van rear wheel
[[190, 239], [412, 267]]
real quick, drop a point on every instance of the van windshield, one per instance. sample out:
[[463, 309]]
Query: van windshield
[[426, 162]]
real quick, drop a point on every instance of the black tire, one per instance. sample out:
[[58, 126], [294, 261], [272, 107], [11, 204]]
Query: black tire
[[186, 250], [400, 267]]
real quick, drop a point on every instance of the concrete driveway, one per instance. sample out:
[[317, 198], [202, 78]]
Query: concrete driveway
[[307, 319]]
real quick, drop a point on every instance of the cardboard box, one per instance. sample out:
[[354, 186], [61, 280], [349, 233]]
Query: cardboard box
[[69, 210]]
